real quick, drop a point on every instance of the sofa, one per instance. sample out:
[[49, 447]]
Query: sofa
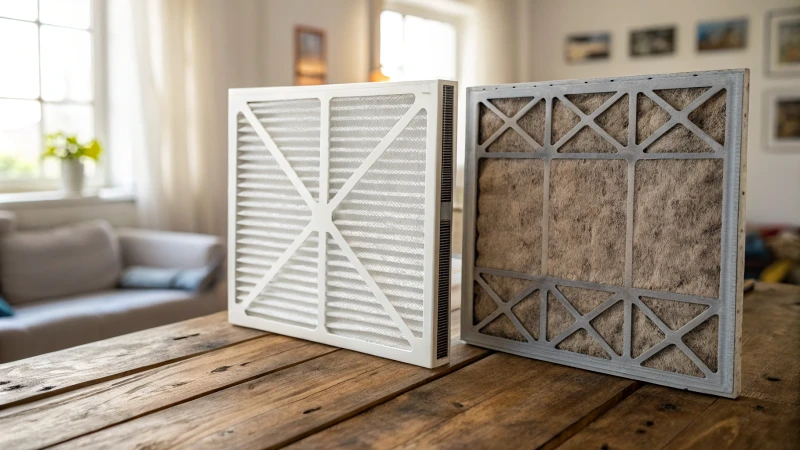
[[66, 285]]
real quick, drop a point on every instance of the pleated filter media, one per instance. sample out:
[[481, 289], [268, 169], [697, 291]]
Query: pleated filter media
[[340, 209], [604, 225]]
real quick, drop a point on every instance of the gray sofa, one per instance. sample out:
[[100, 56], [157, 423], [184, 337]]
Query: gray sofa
[[62, 284]]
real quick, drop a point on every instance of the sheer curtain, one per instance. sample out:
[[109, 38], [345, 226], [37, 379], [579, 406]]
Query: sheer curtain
[[188, 53]]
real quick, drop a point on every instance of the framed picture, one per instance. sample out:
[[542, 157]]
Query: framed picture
[[587, 47], [783, 42], [652, 41], [728, 34], [782, 120], [310, 56]]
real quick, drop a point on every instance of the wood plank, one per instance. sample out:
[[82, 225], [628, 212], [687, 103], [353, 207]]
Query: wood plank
[[742, 424], [552, 404], [463, 409], [279, 408], [57, 372], [771, 345], [649, 418], [123, 399]]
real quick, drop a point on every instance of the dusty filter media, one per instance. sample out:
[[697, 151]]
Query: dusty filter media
[[340, 211], [603, 225]]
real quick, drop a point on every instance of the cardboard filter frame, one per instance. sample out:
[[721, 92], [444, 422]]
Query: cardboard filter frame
[[603, 225]]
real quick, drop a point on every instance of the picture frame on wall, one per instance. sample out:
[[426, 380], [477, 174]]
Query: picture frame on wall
[[782, 120], [782, 30], [726, 34], [654, 41], [310, 56], [587, 47]]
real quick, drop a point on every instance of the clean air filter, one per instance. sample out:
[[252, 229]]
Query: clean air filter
[[340, 209], [604, 225]]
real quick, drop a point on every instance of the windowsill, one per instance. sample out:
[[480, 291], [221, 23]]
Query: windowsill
[[53, 199]]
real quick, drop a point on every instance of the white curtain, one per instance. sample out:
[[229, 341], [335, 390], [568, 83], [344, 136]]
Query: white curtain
[[188, 53]]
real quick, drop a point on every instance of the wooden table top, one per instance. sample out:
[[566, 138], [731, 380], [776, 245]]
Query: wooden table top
[[205, 383]]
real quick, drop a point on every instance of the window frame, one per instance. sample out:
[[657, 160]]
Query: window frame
[[97, 32]]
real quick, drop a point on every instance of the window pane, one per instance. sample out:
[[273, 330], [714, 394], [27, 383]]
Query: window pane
[[20, 138], [18, 9], [71, 119], [19, 75], [69, 13], [66, 64]]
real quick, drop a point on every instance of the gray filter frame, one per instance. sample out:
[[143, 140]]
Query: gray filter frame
[[726, 306]]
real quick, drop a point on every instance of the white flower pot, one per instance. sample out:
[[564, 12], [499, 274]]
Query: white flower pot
[[72, 177]]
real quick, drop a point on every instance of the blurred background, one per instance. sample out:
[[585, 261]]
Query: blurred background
[[116, 109]]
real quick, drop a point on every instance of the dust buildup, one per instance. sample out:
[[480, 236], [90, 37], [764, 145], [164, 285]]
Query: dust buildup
[[532, 122], [584, 300], [587, 103], [505, 287], [558, 318], [587, 222], [509, 215], [502, 327], [681, 97], [581, 342], [702, 340], [673, 313], [644, 333], [527, 311], [710, 116], [563, 121], [610, 325], [649, 117], [615, 120], [678, 139], [587, 141], [672, 359], [677, 226]]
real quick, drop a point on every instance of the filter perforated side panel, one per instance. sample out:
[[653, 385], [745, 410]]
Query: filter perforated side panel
[[636, 193]]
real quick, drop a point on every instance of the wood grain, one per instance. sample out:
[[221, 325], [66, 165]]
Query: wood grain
[[98, 406], [547, 407], [745, 423], [279, 408], [649, 418], [57, 372], [440, 402]]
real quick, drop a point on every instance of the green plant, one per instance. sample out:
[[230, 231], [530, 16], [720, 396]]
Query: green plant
[[62, 146]]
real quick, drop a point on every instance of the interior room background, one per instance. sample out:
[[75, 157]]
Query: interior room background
[[161, 71]]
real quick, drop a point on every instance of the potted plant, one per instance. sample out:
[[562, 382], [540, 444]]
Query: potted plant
[[72, 155]]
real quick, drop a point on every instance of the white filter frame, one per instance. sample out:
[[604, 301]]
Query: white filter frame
[[428, 96]]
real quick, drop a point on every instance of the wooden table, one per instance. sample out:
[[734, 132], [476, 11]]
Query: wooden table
[[204, 383]]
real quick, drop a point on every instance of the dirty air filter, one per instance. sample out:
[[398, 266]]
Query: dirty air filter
[[603, 225], [340, 208]]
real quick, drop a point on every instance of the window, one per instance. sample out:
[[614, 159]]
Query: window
[[415, 48], [47, 84]]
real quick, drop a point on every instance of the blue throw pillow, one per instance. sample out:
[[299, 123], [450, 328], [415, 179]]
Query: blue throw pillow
[[141, 277], [5, 308]]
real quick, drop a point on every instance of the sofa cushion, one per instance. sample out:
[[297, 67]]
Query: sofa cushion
[[61, 261], [56, 324]]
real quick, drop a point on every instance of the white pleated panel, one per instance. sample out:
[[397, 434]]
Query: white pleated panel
[[382, 218], [271, 212]]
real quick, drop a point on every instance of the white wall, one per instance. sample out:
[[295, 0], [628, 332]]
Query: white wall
[[346, 23], [773, 179]]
